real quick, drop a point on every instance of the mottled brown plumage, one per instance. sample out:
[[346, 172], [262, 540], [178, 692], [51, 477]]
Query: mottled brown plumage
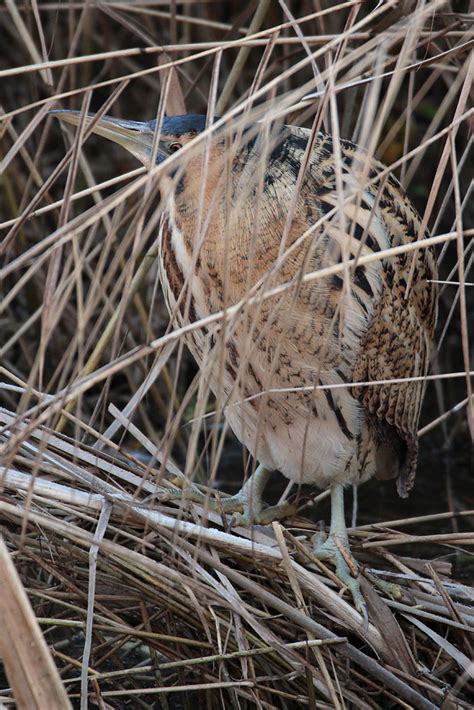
[[323, 333], [226, 233]]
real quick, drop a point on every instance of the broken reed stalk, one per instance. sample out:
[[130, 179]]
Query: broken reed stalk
[[30, 669]]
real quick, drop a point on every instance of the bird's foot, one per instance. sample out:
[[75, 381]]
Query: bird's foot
[[242, 507], [245, 507], [247, 511], [335, 548]]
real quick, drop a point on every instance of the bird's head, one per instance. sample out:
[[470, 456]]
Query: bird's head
[[138, 136], [225, 155]]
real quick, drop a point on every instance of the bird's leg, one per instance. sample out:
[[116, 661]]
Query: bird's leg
[[246, 506], [335, 547]]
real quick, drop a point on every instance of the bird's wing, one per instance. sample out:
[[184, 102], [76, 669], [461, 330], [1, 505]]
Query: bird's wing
[[397, 344], [400, 299]]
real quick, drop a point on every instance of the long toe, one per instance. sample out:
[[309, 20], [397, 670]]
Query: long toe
[[245, 511], [238, 505], [336, 549]]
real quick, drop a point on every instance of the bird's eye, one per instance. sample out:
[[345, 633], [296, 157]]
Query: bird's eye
[[174, 147]]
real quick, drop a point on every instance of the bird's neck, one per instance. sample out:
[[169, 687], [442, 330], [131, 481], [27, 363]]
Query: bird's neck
[[216, 221]]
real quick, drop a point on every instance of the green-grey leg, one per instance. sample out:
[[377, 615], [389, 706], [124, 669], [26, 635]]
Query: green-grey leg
[[335, 547]]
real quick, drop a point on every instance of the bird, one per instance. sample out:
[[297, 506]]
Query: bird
[[320, 369]]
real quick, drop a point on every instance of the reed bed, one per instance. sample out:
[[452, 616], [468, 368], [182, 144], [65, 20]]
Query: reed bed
[[172, 602], [144, 600]]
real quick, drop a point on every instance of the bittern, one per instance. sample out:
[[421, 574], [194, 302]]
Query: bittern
[[321, 366]]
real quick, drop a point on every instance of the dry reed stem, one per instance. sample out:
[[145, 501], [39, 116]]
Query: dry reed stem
[[30, 669], [229, 544]]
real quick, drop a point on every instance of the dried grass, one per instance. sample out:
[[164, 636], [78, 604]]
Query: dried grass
[[144, 602], [174, 605]]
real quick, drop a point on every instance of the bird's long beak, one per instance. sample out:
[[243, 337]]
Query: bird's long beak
[[135, 136]]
